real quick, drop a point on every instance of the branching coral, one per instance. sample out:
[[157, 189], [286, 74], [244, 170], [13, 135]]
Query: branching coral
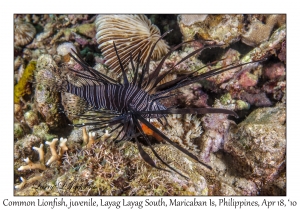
[[40, 165], [89, 138], [54, 155], [61, 150], [28, 181], [30, 165]]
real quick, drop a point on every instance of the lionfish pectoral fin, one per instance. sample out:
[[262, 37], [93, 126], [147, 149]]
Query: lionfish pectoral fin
[[192, 111], [146, 157], [154, 152], [149, 125]]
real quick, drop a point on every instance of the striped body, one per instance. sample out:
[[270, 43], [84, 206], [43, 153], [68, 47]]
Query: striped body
[[116, 97], [127, 106]]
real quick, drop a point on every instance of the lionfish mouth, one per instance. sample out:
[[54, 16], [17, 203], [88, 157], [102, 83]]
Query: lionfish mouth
[[130, 106]]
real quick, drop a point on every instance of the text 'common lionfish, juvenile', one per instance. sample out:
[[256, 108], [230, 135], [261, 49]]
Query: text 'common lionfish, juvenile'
[[129, 106]]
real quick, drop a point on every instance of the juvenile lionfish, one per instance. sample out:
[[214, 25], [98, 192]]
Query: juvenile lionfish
[[129, 106]]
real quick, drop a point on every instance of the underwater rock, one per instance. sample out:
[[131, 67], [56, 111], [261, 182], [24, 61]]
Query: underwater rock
[[257, 99], [31, 118], [74, 18], [65, 48], [192, 95], [277, 89], [221, 29], [215, 128], [87, 30], [231, 56], [260, 28], [230, 183], [264, 50], [42, 131], [282, 53], [19, 130], [191, 19], [227, 102], [275, 71], [247, 80], [23, 147], [46, 99], [258, 144], [47, 104], [45, 61], [42, 39], [277, 187], [18, 62]]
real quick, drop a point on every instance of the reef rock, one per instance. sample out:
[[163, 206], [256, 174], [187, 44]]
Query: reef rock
[[222, 29], [258, 144]]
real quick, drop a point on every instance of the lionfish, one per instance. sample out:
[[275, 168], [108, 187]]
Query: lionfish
[[129, 106]]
